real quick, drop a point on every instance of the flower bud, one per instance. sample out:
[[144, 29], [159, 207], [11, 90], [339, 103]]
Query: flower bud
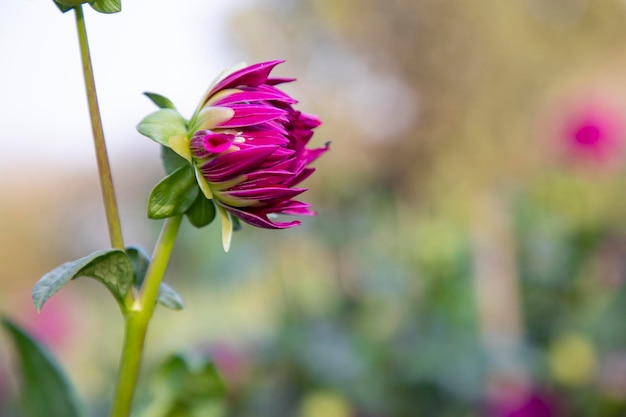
[[254, 161], [246, 144]]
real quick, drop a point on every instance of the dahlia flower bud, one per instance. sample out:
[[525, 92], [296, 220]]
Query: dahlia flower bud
[[246, 145]]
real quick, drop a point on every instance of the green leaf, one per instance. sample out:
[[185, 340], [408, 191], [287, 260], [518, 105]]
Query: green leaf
[[109, 266], [140, 262], [191, 378], [171, 160], [167, 296], [45, 390], [161, 101], [185, 386], [162, 125], [72, 3], [174, 194], [201, 212], [63, 7], [107, 6]]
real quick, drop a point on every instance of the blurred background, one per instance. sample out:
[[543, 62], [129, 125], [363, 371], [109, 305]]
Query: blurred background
[[469, 255]]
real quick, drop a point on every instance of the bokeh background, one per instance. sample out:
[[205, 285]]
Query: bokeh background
[[469, 255]]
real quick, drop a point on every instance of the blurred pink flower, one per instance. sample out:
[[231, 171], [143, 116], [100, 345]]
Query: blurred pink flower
[[532, 406], [51, 327], [594, 133], [232, 363], [515, 396], [4, 387]]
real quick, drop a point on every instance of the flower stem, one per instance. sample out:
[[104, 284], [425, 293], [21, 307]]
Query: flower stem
[[104, 168], [138, 318], [137, 311]]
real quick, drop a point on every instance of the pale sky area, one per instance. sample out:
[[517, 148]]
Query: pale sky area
[[150, 46]]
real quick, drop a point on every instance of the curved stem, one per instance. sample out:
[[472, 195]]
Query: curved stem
[[137, 311], [138, 318], [104, 168]]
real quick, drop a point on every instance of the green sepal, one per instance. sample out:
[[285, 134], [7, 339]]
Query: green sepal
[[202, 212], [106, 6], [45, 390], [161, 125], [174, 194], [236, 224], [109, 266], [140, 260], [185, 386], [63, 7], [227, 227], [171, 160], [162, 102]]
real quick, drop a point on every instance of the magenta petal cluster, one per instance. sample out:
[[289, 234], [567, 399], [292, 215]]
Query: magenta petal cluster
[[254, 160]]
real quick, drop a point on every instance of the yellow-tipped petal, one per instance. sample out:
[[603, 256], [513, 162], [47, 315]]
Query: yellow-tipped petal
[[204, 185], [227, 227], [221, 94], [180, 145], [211, 117]]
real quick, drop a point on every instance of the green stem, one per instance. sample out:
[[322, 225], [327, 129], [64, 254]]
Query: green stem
[[104, 168], [138, 318], [137, 311]]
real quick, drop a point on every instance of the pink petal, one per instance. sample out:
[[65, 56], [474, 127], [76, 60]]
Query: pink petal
[[260, 93], [259, 219], [303, 175], [250, 76], [264, 178], [279, 80], [296, 208], [229, 165], [205, 143], [312, 154], [265, 137], [252, 114], [265, 193], [304, 121]]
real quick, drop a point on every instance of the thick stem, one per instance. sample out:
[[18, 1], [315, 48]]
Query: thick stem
[[104, 169], [130, 363], [138, 318]]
